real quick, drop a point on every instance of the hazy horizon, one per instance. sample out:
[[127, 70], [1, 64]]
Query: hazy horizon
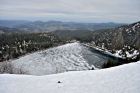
[[64, 21], [91, 11]]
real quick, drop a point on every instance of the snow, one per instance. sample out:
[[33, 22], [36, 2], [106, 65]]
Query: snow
[[68, 57], [117, 54], [128, 55], [136, 25], [105, 51], [129, 30], [121, 79]]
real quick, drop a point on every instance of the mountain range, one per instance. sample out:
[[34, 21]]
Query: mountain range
[[40, 26]]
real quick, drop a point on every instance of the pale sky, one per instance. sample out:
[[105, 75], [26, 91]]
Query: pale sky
[[122, 11]]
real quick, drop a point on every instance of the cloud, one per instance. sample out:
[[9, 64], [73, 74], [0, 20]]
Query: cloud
[[77, 10]]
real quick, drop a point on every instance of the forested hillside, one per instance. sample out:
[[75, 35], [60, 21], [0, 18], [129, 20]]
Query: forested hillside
[[13, 45]]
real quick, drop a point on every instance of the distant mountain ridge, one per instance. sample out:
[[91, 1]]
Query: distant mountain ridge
[[12, 23], [40, 26]]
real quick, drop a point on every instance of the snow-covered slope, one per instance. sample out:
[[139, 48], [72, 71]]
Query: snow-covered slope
[[68, 57], [121, 79]]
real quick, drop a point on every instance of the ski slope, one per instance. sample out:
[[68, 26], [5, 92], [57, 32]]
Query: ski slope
[[68, 57], [121, 79]]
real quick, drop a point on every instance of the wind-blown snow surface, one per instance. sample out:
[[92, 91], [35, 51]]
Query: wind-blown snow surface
[[121, 79], [68, 57]]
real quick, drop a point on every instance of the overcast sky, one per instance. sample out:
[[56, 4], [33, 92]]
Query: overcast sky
[[125, 11]]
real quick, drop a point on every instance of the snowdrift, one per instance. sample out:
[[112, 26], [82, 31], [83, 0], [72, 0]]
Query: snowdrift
[[121, 79]]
